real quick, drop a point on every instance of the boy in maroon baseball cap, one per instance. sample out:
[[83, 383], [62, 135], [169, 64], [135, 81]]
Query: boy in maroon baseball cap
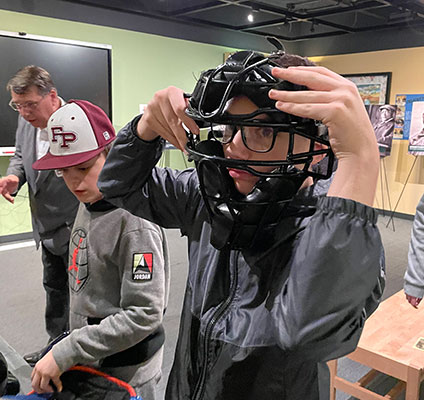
[[118, 265], [78, 134]]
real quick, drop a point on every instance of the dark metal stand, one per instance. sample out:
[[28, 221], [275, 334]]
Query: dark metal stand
[[401, 193], [385, 188]]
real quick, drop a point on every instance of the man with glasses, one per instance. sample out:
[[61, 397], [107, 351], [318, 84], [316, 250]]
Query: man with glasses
[[53, 207], [282, 272]]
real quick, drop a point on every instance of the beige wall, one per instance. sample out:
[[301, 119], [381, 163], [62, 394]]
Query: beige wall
[[406, 66]]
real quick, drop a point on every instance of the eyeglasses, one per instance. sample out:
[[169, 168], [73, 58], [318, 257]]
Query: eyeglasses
[[259, 139], [30, 105]]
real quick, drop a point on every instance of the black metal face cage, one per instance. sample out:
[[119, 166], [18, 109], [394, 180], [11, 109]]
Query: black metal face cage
[[302, 161], [237, 78]]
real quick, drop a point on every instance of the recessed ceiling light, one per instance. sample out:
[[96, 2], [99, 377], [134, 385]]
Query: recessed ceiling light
[[250, 18]]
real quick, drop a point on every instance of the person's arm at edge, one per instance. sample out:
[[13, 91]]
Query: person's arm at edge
[[414, 275]]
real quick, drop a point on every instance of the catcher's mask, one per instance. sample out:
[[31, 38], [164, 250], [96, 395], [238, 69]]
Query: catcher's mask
[[241, 221]]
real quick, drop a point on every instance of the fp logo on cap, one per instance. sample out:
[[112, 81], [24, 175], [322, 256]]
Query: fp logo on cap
[[57, 131]]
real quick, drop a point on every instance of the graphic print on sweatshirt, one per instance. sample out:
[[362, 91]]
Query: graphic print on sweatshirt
[[78, 269], [142, 266]]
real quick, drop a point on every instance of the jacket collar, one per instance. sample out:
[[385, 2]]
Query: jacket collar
[[101, 205]]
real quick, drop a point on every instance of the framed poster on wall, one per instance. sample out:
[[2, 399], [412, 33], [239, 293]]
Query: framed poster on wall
[[400, 101], [414, 124], [374, 88], [382, 118]]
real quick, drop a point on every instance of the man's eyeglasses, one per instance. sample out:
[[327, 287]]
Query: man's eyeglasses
[[30, 105], [259, 139]]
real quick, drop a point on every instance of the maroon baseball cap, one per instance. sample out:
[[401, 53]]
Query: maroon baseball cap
[[77, 131]]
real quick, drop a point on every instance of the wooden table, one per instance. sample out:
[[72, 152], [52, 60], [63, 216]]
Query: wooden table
[[389, 345]]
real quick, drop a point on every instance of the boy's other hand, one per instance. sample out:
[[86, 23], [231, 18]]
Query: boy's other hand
[[164, 116], [46, 370], [335, 101]]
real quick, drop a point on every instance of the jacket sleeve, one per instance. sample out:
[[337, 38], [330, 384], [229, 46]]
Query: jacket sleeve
[[336, 280], [16, 166], [130, 180], [414, 276], [142, 305]]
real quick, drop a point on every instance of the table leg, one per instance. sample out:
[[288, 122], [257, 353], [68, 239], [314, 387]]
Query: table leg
[[413, 383], [332, 366]]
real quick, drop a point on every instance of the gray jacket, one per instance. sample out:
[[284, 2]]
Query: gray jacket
[[113, 305], [414, 276], [53, 206], [256, 324]]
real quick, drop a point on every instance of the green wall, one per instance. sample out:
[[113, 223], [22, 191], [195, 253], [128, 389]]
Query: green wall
[[141, 65], [14, 218]]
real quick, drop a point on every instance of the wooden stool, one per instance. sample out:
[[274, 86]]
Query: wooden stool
[[390, 343]]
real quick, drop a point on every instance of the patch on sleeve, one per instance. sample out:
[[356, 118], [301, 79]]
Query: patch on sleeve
[[142, 266]]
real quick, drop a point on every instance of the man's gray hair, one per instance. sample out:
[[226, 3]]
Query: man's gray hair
[[29, 76]]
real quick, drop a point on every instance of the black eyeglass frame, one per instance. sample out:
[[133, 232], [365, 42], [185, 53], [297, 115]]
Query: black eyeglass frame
[[283, 167], [276, 127]]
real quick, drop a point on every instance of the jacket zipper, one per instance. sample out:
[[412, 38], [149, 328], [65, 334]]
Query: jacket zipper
[[198, 392]]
